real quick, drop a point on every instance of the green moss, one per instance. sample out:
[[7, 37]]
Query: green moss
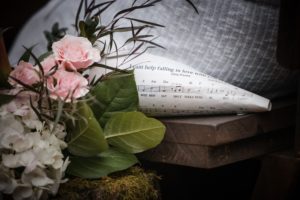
[[132, 184]]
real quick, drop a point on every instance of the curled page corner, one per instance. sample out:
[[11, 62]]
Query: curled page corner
[[169, 88]]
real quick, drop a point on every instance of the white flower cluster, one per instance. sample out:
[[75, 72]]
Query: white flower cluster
[[31, 162]]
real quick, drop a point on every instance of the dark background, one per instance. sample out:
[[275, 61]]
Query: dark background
[[234, 181], [13, 14]]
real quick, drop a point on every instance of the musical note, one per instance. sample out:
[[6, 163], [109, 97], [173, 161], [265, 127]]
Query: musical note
[[169, 91]]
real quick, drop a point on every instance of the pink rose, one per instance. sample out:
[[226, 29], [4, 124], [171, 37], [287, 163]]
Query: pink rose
[[48, 64], [75, 52], [24, 72], [67, 85]]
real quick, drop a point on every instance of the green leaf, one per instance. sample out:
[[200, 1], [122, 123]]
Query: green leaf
[[87, 137], [118, 93], [54, 35], [26, 55], [145, 22], [95, 167], [78, 14], [194, 7], [44, 56], [82, 29], [133, 132], [4, 99]]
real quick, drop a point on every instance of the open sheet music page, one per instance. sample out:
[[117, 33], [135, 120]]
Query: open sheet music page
[[169, 88]]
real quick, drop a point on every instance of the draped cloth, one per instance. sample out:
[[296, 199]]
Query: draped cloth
[[232, 40]]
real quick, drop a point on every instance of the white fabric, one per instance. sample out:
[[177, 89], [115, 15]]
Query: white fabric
[[232, 40]]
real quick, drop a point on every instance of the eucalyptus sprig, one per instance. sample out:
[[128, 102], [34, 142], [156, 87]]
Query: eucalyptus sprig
[[55, 34], [92, 28]]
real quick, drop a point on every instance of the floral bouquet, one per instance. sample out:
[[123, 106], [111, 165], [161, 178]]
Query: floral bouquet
[[58, 121]]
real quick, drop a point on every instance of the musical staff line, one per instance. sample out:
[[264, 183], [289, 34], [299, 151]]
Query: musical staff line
[[188, 90], [176, 111]]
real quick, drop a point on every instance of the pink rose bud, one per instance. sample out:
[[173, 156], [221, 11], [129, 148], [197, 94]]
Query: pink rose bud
[[67, 85], [75, 52], [24, 72], [48, 64]]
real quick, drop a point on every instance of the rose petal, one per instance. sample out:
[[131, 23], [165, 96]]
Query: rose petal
[[75, 52], [67, 85], [24, 72]]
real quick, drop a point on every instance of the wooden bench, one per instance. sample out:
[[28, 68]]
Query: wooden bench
[[212, 141]]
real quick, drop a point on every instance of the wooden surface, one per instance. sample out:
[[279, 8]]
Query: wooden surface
[[212, 141], [279, 177]]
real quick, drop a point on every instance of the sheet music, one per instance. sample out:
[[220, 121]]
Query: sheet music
[[169, 88]]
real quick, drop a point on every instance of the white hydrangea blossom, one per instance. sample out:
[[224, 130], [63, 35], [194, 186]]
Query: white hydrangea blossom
[[32, 146]]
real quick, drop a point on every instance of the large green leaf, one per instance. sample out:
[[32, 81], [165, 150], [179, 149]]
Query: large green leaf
[[102, 165], [116, 94], [133, 132], [87, 137]]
